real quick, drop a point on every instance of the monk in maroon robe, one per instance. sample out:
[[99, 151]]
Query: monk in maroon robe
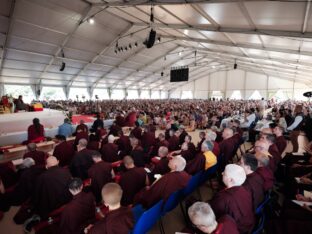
[[35, 131], [264, 171], [79, 212], [280, 140], [148, 140], [109, 151], [161, 166], [38, 156], [161, 189], [203, 218], [235, 200], [131, 119], [160, 141], [93, 143], [226, 148], [132, 181], [137, 152], [100, 173], [123, 143], [137, 131], [82, 127], [173, 141], [254, 182], [63, 151], [118, 219], [51, 188], [202, 139], [82, 161]]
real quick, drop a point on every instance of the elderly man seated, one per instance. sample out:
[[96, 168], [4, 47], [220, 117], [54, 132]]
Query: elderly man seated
[[235, 200], [162, 188], [204, 219]]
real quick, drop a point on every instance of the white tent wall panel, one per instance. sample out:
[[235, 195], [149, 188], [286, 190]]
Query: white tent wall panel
[[277, 83], [255, 81], [199, 94], [235, 80], [202, 84], [218, 81]]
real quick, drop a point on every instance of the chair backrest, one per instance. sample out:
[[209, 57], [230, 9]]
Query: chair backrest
[[192, 184], [259, 228], [137, 211], [261, 206], [148, 219], [172, 202]]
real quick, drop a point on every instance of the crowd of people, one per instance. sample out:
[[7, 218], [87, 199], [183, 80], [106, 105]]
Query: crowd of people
[[91, 183]]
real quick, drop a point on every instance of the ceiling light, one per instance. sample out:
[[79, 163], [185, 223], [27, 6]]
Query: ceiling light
[[91, 21]]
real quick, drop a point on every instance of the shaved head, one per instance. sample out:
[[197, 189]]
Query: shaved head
[[111, 194], [51, 162]]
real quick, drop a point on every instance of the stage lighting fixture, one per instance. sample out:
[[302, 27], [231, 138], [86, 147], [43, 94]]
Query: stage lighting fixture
[[150, 41], [62, 68], [235, 66], [116, 51], [136, 44], [91, 21], [130, 46], [121, 49], [162, 74], [126, 48]]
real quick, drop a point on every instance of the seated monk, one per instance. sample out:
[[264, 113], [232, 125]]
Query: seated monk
[[161, 166], [82, 161], [162, 188], [226, 148], [212, 136], [137, 131], [109, 151], [137, 152], [202, 136], [202, 161], [184, 152], [264, 171], [254, 182], [93, 143], [123, 143], [148, 139], [38, 156], [82, 132], [204, 219], [132, 180], [160, 141], [51, 188], [35, 132], [190, 144], [79, 212], [262, 146], [280, 140], [173, 140], [118, 219], [63, 151], [100, 173], [235, 200]]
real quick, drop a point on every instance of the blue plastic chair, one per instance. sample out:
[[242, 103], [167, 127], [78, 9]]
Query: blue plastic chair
[[207, 173], [172, 202], [137, 211], [148, 219], [261, 206], [259, 228], [192, 184]]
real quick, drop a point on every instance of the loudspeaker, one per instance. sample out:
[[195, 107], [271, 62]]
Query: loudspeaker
[[62, 68], [179, 75], [235, 66], [38, 92], [149, 42]]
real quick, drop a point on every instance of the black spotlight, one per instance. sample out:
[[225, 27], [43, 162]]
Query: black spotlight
[[235, 66], [62, 68], [150, 41], [126, 48], [136, 44], [130, 46]]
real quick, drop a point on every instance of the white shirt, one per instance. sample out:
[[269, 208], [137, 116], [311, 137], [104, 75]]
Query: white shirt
[[297, 121]]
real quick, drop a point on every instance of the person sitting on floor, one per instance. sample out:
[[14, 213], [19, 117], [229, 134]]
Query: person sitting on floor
[[35, 132], [38, 156]]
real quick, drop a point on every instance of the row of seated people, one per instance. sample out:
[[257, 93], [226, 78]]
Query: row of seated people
[[81, 162]]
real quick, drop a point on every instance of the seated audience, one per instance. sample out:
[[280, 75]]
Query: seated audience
[[63, 151], [235, 200], [66, 129], [204, 219], [35, 132], [227, 147], [38, 156], [264, 170], [161, 165], [109, 151], [173, 140], [79, 212], [118, 219], [280, 140], [137, 152]]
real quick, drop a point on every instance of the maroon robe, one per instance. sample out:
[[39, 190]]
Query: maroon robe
[[81, 163], [226, 225], [100, 174], [237, 203], [120, 121], [226, 152], [51, 190], [132, 181], [130, 119], [216, 149], [124, 144], [267, 176], [79, 136], [7, 174], [162, 188], [148, 140], [196, 165], [198, 148], [34, 135], [114, 222], [138, 156], [173, 143], [187, 155], [274, 161], [109, 152], [93, 145], [77, 214], [64, 152], [281, 144], [38, 156], [137, 133], [82, 128], [254, 184], [161, 167]]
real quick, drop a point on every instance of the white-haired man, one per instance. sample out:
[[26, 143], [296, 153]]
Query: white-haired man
[[109, 151], [212, 136], [204, 219], [235, 200], [162, 188]]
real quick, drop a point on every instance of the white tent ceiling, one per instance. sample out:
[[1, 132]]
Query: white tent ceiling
[[268, 37]]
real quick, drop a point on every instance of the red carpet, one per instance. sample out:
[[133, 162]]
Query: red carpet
[[87, 118]]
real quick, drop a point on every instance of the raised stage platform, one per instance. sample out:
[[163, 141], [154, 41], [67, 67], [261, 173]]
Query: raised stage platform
[[13, 127]]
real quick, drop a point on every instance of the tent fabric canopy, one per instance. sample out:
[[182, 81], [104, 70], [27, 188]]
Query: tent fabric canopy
[[266, 37]]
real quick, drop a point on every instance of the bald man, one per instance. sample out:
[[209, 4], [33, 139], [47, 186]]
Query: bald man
[[38, 156], [161, 167], [227, 147], [63, 151], [118, 219], [162, 188], [132, 180], [82, 160], [262, 146], [51, 188], [109, 151], [235, 200]]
